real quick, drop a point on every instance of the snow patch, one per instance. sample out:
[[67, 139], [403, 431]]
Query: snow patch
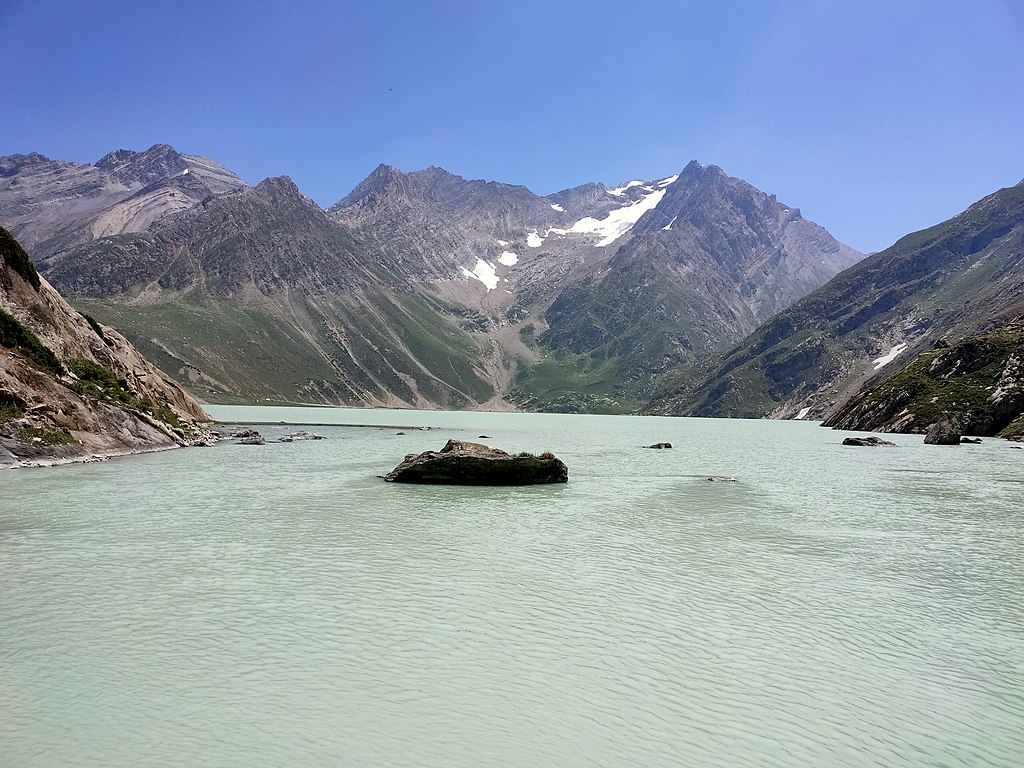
[[619, 191], [484, 272], [557, 207], [618, 222], [185, 172], [889, 356], [534, 240], [668, 227], [803, 413], [508, 258], [666, 182], [503, 243]]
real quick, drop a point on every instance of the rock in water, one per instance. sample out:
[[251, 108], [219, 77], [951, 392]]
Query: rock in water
[[659, 445], [462, 463], [873, 442], [970, 440], [943, 432]]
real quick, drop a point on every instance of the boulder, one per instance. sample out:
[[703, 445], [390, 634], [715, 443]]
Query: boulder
[[943, 432], [970, 440], [659, 445], [253, 438], [872, 442], [463, 463]]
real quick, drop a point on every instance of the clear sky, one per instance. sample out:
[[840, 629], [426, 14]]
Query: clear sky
[[874, 117]]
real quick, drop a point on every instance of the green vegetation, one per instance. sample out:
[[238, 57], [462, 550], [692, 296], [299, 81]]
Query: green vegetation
[[15, 257], [97, 381], [10, 409], [44, 436], [16, 336], [96, 327]]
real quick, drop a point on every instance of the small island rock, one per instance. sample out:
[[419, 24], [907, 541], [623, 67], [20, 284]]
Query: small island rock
[[659, 445], [464, 463], [943, 432], [872, 442]]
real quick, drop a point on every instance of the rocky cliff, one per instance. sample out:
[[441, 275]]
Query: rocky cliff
[[70, 388]]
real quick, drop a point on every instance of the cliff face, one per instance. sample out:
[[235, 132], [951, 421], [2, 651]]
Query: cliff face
[[71, 389]]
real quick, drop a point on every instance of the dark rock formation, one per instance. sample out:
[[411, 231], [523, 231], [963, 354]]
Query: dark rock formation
[[872, 442], [659, 445], [970, 440], [945, 431], [462, 463]]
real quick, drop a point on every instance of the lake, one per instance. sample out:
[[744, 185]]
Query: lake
[[280, 605]]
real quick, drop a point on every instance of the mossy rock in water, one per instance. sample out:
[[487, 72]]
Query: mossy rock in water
[[462, 463]]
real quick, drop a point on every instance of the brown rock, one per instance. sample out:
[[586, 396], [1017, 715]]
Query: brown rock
[[463, 463]]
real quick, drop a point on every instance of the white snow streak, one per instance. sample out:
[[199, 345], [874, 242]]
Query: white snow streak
[[503, 243], [557, 207], [185, 172], [484, 272], [618, 222], [618, 191], [668, 226], [508, 258], [534, 240], [666, 182], [803, 413], [889, 356]]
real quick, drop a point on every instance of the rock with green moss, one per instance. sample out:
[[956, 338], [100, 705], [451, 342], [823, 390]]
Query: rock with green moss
[[464, 463]]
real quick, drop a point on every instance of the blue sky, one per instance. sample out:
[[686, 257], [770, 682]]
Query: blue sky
[[874, 117]]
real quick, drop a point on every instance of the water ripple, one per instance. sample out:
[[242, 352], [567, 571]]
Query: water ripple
[[282, 606]]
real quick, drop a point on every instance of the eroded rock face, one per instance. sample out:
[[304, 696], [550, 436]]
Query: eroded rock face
[[72, 390], [462, 463]]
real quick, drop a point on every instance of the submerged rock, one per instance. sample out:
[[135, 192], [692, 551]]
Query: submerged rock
[[463, 463], [301, 435], [659, 445], [722, 479], [970, 440], [871, 442]]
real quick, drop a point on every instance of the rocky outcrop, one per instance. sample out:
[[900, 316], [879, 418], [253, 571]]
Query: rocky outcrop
[[464, 463], [945, 431], [659, 446], [977, 381], [868, 442], [72, 389]]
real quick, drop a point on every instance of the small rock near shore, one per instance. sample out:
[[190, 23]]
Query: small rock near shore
[[659, 445]]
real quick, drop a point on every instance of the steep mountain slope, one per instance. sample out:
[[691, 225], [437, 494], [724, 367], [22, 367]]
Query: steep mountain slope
[[70, 388], [257, 294], [964, 276], [424, 288], [50, 205]]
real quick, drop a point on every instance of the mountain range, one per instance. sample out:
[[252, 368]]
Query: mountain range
[[928, 326], [418, 289]]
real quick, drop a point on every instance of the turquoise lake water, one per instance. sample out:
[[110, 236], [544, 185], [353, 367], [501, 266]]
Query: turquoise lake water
[[280, 605]]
